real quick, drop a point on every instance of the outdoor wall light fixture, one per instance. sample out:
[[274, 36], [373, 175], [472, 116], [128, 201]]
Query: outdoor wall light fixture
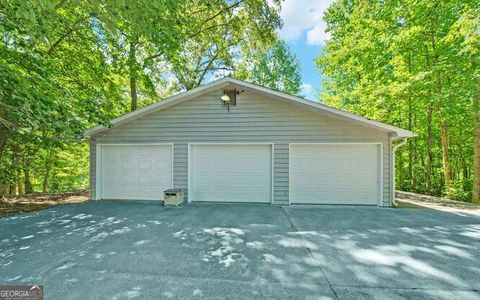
[[229, 98], [225, 98]]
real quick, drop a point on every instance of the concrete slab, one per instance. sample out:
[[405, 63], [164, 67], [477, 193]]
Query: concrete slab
[[127, 250], [402, 294], [111, 285], [416, 249]]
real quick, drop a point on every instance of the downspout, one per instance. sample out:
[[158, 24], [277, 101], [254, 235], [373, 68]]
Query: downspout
[[392, 168]]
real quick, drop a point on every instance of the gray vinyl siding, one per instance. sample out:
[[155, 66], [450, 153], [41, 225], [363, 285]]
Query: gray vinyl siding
[[280, 173], [256, 118]]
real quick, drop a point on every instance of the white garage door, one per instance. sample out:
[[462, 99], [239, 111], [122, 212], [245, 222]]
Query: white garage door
[[334, 173], [135, 172], [231, 173]]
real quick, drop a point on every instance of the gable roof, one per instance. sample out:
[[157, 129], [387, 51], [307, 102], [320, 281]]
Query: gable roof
[[396, 132]]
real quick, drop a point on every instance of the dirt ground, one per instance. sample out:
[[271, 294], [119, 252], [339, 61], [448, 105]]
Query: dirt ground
[[39, 201], [412, 200]]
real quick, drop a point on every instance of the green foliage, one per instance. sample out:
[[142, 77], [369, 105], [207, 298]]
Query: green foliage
[[68, 65], [278, 69], [213, 49], [409, 63], [460, 190]]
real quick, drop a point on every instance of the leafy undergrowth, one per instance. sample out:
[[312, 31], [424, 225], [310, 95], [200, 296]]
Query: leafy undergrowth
[[39, 201]]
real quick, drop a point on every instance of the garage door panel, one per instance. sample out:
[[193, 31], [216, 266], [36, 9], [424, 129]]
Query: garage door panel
[[147, 179], [319, 195], [340, 152], [128, 165], [111, 190], [342, 197], [365, 182], [343, 167], [334, 173], [145, 164], [323, 182], [343, 182], [216, 195], [113, 152], [308, 181], [113, 164], [135, 172], [111, 179], [231, 173]]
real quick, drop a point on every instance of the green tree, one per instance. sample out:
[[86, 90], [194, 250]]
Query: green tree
[[68, 65], [465, 35], [227, 34], [184, 42], [278, 69], [52, 85], [396, 61]]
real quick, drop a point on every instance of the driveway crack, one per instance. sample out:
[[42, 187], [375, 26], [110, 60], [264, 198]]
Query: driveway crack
[[292, 224]]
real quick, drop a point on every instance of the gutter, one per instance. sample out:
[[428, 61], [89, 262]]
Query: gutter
[[402, 142]]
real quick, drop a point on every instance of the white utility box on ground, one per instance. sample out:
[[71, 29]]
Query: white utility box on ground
[[173, 197]]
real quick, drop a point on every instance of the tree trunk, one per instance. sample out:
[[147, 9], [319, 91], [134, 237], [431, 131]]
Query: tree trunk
[[133, 76], [476, 143], [447, 171], [26, 172], [46, 175], [12, 190], [4, 131], [3, 144], [399, 170], [429, 163], [18, 166], [3, 189], [20, 185], [413, 181]]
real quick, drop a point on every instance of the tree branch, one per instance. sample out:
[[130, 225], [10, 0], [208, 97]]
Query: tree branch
[[216, 15], [65, 35], [203, 9]]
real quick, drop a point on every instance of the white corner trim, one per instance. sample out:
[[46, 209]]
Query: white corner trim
[[272, 167], [98, 172]]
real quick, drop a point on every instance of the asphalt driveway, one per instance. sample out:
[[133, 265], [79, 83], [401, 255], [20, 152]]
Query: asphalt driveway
[[142, 250]]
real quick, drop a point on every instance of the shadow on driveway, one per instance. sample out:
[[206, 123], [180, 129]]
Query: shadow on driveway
[[143, 250]]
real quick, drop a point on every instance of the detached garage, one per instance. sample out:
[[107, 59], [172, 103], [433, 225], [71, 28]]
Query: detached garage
[[233, 141]]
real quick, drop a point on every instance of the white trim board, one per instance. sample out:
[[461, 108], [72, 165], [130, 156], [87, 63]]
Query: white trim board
[[98, 163], [230, 82]]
